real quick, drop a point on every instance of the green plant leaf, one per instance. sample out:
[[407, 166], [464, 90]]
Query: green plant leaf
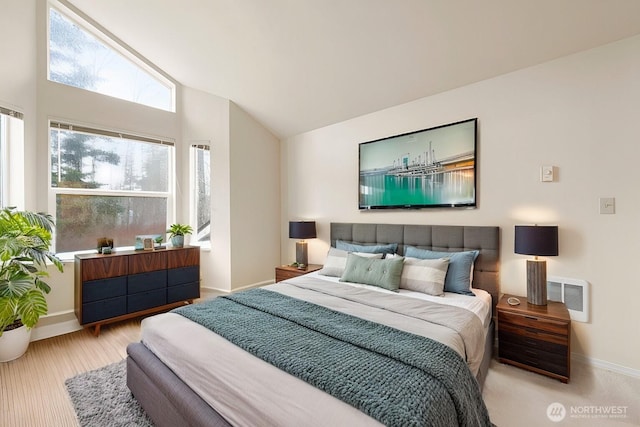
[[31, 306], [8, 313]]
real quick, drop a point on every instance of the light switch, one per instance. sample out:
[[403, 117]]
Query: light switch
[[546, 173], [607, 205]]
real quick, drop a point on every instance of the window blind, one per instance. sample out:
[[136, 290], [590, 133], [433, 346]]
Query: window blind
[[11, 113], [109, 133]]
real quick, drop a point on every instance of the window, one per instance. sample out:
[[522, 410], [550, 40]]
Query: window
[[79, 58], [11, 134], [3, 144], [201, 172], [107, 184]]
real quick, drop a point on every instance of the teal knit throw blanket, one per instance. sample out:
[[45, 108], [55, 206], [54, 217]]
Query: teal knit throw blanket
[[398, 378]]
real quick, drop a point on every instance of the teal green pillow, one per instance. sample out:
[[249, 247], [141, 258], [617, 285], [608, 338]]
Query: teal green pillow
[[384, 273]]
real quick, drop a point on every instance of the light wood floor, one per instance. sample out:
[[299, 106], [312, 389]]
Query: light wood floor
[[32, 390]]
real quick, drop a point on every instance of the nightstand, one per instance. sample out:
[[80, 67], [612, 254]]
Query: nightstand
[[535, 337], [285, 272]]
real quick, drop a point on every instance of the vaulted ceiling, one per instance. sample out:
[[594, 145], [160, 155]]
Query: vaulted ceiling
[[297, 65]]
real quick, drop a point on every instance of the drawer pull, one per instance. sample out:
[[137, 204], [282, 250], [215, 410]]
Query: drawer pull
[[530, 318]]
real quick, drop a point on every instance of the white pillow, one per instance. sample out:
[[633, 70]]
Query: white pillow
[[336, 261], [424, 275]]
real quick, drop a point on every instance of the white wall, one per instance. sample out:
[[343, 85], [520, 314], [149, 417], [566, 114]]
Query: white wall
[[255, 200], [206, 118], [579, 113]]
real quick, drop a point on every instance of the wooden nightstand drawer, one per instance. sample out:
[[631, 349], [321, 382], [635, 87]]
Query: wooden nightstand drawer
[[536, 334], [535, 323], [531, 343], [533, 357], [284, 275], [288, 272]]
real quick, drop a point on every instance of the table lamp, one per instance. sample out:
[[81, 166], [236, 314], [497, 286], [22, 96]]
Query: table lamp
[[302, 230], [536, 240]]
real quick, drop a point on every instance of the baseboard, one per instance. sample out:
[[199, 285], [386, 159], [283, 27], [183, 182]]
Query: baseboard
[[54, 324], [597, 363]]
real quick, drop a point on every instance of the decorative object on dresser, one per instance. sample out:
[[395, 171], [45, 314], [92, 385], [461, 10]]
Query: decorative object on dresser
[[536, 240], [177, 233], [534, 337], [127, 284], [285, 272], [302, 230]]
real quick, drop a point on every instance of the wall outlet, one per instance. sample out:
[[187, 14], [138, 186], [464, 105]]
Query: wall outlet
[[607, 205]]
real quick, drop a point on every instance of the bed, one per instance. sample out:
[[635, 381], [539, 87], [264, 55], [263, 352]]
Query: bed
[[181, 371]]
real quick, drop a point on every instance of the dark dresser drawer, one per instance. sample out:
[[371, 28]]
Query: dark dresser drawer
[[179, 276], [144, 300], [104, 309], [147, 281], [95, 290], [183, 292]]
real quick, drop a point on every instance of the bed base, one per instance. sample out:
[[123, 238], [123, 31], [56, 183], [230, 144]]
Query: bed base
[[170, 402], [163, 396]]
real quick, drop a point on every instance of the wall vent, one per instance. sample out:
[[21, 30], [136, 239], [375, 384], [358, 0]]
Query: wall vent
[[573, 292]]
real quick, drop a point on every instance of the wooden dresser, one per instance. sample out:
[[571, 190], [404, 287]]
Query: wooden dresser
[[534, 337], [126, 284], [285, 272]]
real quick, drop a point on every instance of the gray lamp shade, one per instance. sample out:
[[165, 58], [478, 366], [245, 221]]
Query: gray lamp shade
[[302, 229], [538, 240]]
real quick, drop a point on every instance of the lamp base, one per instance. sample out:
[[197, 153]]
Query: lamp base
[[537, 282], [301, 253]]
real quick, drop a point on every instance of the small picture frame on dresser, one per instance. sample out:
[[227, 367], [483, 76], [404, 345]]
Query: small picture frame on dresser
[[147, 244]]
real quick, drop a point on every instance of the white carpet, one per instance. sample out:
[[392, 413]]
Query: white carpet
[[593, 397]]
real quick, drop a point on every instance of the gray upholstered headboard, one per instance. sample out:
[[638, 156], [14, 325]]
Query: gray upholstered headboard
[[447, 238]]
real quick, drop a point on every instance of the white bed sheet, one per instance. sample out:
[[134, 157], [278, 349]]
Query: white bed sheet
[[480, 305], [257, 393]]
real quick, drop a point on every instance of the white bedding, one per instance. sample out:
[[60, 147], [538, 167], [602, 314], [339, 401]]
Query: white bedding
[[480, 305], [248, 391]]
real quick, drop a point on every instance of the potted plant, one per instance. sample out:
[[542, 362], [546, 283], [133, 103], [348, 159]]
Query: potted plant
[[177, 233], [25, 239]]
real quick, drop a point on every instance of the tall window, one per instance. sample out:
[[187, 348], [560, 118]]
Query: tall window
[[201, 172], [3, 145], [11, 132], [107, 184], [89, 60]]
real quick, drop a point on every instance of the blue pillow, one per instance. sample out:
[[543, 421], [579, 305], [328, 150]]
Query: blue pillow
[[458, 279], [390, 248]]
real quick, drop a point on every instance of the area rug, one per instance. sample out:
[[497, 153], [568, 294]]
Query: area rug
[[102, 398]]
